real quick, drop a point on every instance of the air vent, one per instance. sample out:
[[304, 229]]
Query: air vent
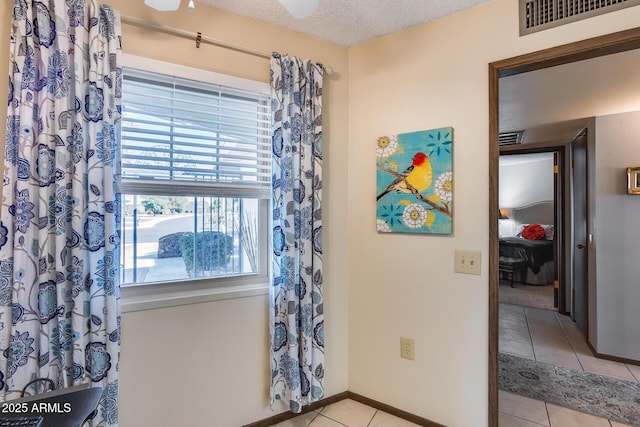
[[538, 15], [510, 138]]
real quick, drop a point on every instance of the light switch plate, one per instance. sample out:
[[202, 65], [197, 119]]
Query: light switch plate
[[467, 262]]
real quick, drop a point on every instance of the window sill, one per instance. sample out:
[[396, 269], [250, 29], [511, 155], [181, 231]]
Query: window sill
[[134, 300]]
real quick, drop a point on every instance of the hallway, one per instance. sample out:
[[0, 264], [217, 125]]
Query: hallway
[[547, 336]]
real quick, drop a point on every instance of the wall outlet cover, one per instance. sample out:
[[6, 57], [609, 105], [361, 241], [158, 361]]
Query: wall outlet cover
[[407, 348]]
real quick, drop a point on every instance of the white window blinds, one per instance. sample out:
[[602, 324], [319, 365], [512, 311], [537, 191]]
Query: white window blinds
[[193, 137]]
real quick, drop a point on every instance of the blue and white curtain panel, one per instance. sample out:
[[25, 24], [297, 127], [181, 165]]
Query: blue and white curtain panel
[[296, 299], [59, 230]]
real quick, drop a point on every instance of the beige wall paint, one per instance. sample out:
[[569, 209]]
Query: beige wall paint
[[594, 87], [426, 77], [209, 362]]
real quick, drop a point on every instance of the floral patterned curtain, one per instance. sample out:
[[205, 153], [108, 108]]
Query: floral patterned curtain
[[296, 315], [59, 231]]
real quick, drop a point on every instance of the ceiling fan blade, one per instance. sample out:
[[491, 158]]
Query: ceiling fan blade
[[163, 5], [300, 8]]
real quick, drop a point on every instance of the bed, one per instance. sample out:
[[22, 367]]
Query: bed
[[539, 254]]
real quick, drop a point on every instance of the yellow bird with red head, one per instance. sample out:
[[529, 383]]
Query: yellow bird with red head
[[418, 176]]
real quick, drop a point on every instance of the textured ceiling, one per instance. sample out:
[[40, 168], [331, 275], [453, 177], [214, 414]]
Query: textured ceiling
[[346, 22]]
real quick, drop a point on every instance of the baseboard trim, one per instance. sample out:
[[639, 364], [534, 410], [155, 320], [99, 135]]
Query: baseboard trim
[[393, 411], [612, 358], [267, 422]]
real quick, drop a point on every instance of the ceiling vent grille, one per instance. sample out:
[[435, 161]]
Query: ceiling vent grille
[[510, 138], [538, 15]]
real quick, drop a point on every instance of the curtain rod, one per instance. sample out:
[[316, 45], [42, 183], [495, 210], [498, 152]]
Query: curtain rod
[[197, 37], [187, 35]]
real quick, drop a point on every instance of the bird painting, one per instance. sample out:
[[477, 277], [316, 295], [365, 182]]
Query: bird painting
[[418, 177], [414, 182]]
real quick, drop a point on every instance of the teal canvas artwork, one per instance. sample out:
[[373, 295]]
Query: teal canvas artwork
[[414, 180]]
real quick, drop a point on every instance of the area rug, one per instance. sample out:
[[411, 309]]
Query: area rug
[[599, 395]]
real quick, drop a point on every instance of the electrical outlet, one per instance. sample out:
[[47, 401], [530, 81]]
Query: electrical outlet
[[467, 262], [407, 348]]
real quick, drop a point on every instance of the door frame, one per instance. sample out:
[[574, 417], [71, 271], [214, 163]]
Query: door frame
[[586, 49]]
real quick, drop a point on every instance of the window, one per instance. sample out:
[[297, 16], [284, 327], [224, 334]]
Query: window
[[195, 179]]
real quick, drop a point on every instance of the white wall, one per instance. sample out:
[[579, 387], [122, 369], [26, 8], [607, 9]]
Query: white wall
[[617, 236], [208, 361], [596, 86], [426, 77], [525, 179]]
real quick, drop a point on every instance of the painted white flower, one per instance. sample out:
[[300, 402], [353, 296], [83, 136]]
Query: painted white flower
[[414, 216], [444, 186], [382, 226], [387, 145]]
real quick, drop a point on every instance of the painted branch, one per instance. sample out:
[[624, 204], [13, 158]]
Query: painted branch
[[415, 192]]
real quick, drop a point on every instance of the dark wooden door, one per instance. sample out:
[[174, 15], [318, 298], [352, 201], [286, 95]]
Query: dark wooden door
[[557, 222]]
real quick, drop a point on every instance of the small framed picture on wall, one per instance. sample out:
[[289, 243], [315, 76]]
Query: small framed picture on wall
[[633, 180]]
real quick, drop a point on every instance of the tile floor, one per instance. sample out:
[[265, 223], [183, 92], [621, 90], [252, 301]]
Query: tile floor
[[524, 331], [347, 413], [550, 337]]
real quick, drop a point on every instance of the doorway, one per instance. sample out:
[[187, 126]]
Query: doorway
[[530, 197], [591, 48]]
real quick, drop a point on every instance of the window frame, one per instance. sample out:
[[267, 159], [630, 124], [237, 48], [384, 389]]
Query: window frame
[[145, 296]]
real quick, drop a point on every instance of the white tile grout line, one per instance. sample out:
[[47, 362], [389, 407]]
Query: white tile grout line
[[630, 371], [371, 420], [525, 322], [546, 408], [533, 347], [316, 417], [529, 421], [324, 416], [336, 421], [556, 314], [632, 374]]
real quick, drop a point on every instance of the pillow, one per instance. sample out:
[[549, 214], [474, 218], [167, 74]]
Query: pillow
[[519, 229], [549, 230], [533, 232]]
